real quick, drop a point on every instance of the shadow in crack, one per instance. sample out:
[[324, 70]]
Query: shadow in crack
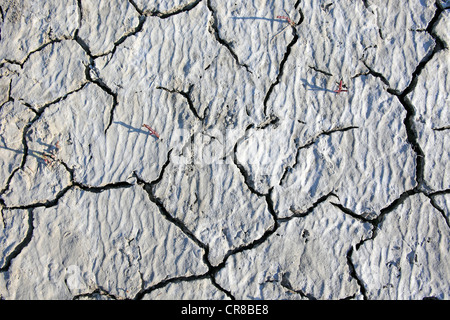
[[314, 87]]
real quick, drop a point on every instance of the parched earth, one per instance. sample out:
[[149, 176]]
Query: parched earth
[[213, 149]]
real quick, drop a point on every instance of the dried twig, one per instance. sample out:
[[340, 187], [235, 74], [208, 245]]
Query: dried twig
[[152, 132], [340, 88], [289, 20]]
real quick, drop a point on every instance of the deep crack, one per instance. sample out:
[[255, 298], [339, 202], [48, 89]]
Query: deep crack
[[140, 295], [95, 293], [173, 11], [304, 213], [441, 128], [411, 131], [439, 45], [38, 114], [412, 136], [40, 48], [122, 39], [284, 60], [354, 275], [102, 85], [321, 71], [214, 30], [438, 208], [270, 120], [149, 188], [285, 283], [187, 96], [352, 214], [18, 249], [311, 142]]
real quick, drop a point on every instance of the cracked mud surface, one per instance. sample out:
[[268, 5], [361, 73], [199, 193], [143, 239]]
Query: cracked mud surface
[[261, 182]]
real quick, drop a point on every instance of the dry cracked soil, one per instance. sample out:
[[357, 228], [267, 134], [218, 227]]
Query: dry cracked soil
[[205, 149]]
